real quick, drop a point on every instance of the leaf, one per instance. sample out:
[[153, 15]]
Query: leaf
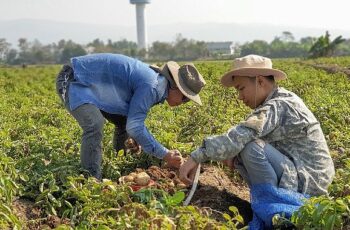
[[121, 153], [24, 178], [5, 216], [226, 216], [233, 209], [5, 207], [177, 198], [68, 204], [103, 227], [330, 222], [239, 218], [38, 203], [42, 195], [41, 187], [52, 210], [52, 198]]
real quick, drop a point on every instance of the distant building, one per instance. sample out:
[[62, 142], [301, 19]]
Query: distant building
[[220, 48], [90, 49]]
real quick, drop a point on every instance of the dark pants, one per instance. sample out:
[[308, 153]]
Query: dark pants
[[91, 119], [120, 134]]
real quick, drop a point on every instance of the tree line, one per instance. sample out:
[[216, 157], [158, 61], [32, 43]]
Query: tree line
[[182, 49]]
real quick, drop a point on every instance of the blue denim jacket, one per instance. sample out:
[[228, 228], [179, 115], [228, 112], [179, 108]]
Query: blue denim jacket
[[118, 84]]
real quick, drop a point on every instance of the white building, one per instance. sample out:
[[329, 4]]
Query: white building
[[222, 48]]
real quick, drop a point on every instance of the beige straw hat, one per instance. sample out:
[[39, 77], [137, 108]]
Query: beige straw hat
[[251, 66], [186, 78]]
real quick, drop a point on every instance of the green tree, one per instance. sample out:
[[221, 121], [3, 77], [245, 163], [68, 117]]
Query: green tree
[[287, 36], [189, 49], [277, 48], [4, 49], [343, 49], [39, 53], [324, 47], [11, 57], [123, 47], [24, 52], [70, 50], [161, 51], [98, 46], [258, 47], [284, 46], [307, 42]]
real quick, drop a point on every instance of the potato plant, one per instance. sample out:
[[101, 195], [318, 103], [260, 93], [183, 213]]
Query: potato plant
[[39, 153]]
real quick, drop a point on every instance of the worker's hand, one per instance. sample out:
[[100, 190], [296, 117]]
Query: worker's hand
[[173, 159], [230, 163], [188, 171]]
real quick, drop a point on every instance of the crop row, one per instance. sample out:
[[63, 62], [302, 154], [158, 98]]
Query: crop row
[[39, 152]]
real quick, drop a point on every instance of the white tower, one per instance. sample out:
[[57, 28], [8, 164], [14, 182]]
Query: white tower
[[141, 23]]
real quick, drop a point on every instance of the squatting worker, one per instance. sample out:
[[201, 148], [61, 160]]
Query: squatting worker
[[122, 90], [280, 143]]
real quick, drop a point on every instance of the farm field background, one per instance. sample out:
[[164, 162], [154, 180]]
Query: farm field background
[[39, 153]]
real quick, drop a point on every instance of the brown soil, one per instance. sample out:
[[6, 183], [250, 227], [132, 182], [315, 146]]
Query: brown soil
[[216, 192], [329, 68], [31, 216], [26, 210]]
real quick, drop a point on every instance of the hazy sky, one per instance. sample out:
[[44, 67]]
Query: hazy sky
[[306, 13]]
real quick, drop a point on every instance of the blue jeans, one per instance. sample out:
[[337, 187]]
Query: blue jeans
[[91, 119], [260, 162]]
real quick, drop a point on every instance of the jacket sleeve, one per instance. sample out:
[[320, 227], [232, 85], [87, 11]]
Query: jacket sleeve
[[220, 147], [142, 100]]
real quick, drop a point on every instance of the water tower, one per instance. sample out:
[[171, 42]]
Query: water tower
[[141, 23]]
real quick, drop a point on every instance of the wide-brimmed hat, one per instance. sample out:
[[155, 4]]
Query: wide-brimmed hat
[[186, 78], [251, 66]]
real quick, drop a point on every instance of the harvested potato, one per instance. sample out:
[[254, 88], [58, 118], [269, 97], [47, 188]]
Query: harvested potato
[[171, 184], [129, 178], [121, 180], [142, 179], [133, 174], [181, 186]]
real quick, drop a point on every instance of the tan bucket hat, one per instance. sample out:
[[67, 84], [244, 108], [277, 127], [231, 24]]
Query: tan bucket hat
[[251, 66], [186, 78]]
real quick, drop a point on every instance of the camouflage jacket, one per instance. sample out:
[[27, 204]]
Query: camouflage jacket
[[286, 123]]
